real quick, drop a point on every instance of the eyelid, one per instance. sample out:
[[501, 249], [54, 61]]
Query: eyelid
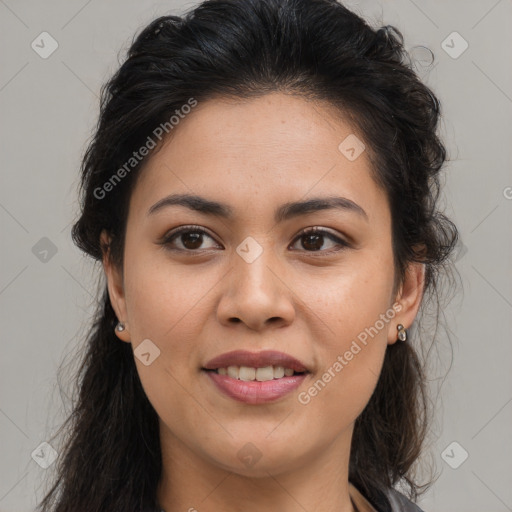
[[321, 230]]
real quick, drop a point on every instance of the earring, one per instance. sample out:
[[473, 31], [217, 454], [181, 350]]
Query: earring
[[120, 327], [402, 333]]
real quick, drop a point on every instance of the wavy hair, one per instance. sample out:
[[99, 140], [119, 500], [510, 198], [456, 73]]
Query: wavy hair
[[110, 458]]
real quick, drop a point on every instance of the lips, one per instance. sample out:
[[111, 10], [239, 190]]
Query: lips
[[254, 392], [256, 360]]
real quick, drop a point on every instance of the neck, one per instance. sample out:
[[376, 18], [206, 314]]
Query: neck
[[193, 483]]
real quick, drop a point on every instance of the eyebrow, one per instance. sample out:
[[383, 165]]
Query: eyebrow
[[284, 212]]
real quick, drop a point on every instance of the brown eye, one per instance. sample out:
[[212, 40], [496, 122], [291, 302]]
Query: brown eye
[[191, 240], [313, 240], [187, 238]]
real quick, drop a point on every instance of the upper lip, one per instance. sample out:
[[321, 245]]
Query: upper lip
[[255, 360]]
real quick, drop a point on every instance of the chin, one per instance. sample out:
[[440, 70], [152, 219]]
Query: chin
[[257, 458]]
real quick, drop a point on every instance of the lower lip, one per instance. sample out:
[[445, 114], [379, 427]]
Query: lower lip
[[255, 392]]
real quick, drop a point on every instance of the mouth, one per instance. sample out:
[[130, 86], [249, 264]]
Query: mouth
[[254, 392], [255, 378]]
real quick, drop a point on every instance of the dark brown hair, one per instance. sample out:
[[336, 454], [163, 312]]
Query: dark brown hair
[[243, 48]]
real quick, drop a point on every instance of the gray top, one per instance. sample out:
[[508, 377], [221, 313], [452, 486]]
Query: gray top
[[390, 500], [399, 502]]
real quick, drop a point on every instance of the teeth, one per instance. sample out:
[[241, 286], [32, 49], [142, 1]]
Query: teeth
[[233, 371], [246, 373], [263, 374], [279, 372]]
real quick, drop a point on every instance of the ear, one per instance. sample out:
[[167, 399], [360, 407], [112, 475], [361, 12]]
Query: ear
[[115, 286], [409, 297]]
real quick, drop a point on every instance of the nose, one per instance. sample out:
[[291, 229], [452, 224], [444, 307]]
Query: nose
[[256, 294]]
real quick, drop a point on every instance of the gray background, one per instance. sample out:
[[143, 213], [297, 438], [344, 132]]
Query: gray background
[[48, 111]]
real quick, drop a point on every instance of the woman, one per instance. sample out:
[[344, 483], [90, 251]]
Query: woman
[[262, 193]]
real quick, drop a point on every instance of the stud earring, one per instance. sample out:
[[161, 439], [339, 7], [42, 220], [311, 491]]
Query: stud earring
[[120, 327], [402, 333]]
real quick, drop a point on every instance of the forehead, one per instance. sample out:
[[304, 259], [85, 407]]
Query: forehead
[[259, 152]]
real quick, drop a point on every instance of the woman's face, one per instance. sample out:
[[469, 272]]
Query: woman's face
[[252, 282]]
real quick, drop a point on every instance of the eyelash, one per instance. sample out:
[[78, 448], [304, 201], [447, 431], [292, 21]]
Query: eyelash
[[166, 241]]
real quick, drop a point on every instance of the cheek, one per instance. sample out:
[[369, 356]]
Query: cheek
[[349, 299], [162, 298], [164, 303], [351, 359], [354, 314]]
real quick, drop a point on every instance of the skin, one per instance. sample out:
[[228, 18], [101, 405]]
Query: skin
[[255, 155]]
